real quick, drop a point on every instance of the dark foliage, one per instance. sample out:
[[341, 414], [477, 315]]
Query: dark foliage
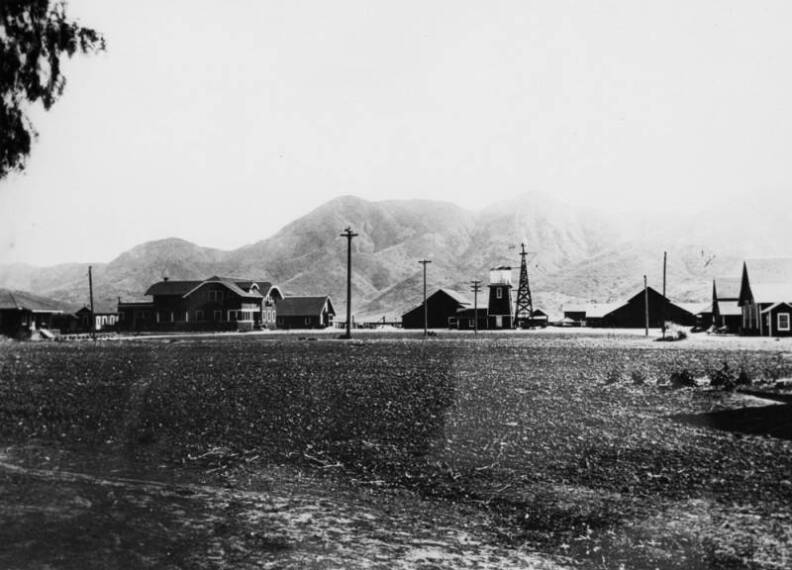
[[34, 36], [682, 379], [722, 377]]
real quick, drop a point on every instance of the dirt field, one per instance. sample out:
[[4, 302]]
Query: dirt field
[[532, 450]]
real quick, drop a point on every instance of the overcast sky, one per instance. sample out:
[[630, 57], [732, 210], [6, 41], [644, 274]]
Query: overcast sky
[[220, 122]]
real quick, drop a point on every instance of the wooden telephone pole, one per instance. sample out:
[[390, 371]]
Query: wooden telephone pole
[[426, 313], [665, 301], [646, 305], [475, 287], [349, 235], [90, 293]]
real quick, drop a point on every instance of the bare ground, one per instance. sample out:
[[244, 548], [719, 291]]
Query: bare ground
[[261, 516]]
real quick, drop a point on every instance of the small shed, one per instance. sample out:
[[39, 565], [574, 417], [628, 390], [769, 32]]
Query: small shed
[[304, 313]]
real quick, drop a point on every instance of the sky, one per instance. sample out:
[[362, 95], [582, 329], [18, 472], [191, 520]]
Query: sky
[[222, 122]]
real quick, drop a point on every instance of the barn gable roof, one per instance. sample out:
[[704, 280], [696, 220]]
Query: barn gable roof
[[460, 298], [304, 306]]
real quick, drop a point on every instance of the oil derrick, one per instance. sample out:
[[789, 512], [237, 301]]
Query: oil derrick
[[524, 307]]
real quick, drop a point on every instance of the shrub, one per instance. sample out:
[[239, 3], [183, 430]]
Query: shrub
[[682, 379], [744, 378], [722, 377]]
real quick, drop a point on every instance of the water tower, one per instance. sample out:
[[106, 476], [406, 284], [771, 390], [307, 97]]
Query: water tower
[[500, 302]]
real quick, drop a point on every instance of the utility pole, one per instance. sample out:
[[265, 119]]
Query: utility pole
[[646, 305], [90, 293], [426, 313], [475, 287], [349, 235], [665, 300]]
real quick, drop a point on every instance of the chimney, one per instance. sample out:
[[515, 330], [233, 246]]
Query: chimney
[[165, 278]]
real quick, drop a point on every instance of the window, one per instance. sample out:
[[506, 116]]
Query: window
[[470, 323], [499, 293], [232, 316], [199, 315], [783, 321], [218, 315], [307, 320], [216, 296]]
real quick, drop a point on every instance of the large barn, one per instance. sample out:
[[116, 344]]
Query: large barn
[[441, 307], [765, 297], [630, 313]]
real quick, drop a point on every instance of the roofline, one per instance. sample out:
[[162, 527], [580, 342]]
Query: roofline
[[221, 282], [774, 305], [283, 296]]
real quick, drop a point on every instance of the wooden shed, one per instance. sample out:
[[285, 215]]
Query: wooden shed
[[305, 313]]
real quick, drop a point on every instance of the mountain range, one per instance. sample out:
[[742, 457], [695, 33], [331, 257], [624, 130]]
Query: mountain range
[[577, 254]]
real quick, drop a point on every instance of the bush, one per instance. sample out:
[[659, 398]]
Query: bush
[[682, 379], [722, 377], [744, 379]]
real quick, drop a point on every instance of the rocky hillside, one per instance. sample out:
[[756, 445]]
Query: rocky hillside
[[578, 254]]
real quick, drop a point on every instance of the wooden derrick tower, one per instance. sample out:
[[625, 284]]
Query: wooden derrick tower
[[523, 312]]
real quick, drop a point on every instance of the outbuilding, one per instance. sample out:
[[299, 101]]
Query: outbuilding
[[305, 313], [631, 313], [24, 315], [441, 310]]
